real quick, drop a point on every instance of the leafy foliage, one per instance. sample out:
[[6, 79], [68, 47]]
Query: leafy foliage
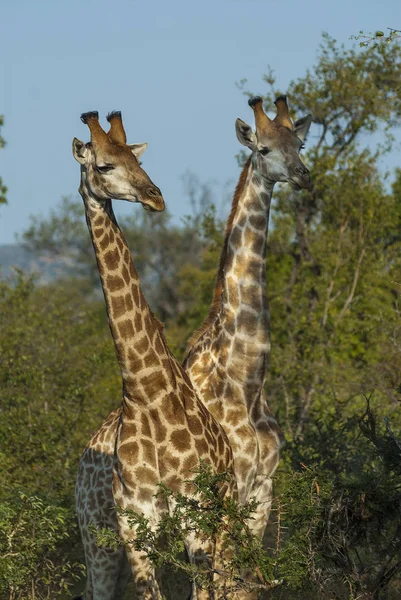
[[378, 37], [341, 511], [53, 395], [52, 356], [31, 533]]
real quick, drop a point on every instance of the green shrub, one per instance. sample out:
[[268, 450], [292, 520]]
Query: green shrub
[[31, 535]]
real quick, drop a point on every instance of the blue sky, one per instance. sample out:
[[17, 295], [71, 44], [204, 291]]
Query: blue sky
[[170, 67]]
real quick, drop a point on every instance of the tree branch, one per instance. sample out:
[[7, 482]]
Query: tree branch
[[353, 287]]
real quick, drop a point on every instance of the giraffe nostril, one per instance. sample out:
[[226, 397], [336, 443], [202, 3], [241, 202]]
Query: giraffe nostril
[[300, 178], [301, 170], [154, 192]]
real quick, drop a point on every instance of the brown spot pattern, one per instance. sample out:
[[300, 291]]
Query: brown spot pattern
[[117, 306], [126, 329], [112, 259], [181, 440], [114, 283]]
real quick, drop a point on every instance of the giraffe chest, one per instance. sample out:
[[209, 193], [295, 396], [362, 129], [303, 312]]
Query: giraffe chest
[[251, 430], [165, 443]]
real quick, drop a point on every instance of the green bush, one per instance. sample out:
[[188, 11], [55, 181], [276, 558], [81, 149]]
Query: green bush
[[31, 535]]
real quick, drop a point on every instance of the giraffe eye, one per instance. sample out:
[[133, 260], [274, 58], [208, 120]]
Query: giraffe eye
[[104, 168], [265, 150]]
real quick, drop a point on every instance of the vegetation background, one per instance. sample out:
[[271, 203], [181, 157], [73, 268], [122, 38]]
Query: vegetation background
[[334, 381]]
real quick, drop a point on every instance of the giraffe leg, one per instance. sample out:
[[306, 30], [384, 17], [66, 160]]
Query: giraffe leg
[[103, 571], [262, 491], [201, 554], [224, 585], [143, 572], [123, 579], [144, 575], [107, 573], [95, 508]]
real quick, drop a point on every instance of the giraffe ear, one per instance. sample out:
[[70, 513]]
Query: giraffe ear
[[301, 127], [138, 149], [80, 151], [245, 134]]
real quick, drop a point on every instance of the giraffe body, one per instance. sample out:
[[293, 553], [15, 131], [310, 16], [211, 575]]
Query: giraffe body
[[108, 571], [162, 431]]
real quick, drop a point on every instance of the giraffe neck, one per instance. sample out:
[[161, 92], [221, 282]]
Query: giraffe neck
[[239, 317], [137, 335]]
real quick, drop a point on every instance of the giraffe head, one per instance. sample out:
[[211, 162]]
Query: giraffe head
[[276, 143], [111, 165]]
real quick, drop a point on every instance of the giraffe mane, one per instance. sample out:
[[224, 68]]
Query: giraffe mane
[[218, 288]]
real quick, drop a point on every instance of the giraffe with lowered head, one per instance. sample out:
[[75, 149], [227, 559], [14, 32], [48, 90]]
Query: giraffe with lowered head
[[227, 357], [162, 430]]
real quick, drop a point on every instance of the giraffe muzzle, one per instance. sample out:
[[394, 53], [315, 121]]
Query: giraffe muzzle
[[300, 179], [153, 200]]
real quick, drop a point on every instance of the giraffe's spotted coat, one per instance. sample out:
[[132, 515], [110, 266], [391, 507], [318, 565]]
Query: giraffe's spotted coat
[[227, 358], [162, 431]]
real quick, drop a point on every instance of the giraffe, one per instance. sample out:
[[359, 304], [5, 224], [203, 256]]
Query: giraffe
[[162, 430], [240, 405], [226, 359]]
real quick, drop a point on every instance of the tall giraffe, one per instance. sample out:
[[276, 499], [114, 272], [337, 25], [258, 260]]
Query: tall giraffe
[[162, 430], [227, 357]]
